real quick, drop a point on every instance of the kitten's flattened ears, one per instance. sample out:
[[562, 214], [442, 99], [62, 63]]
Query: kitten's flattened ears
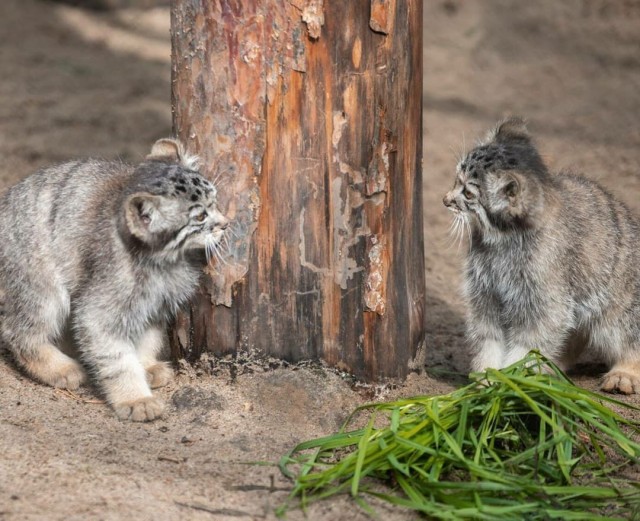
[[509, 130], [168, 149]]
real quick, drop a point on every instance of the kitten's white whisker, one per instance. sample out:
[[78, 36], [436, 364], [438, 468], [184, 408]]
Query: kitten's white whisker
[[460, 235], [456, 231], [467, 226], [207, 251], [450, 233], [218, 175], [234, 231], [225, 244], [457, 155], [462, 230], [217, 252], [451, 225]]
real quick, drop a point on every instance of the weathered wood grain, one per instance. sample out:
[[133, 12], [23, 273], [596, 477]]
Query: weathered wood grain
[[308, 116]]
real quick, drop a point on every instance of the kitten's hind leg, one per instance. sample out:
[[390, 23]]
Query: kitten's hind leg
[[619, 344], [149, 347], [28, 328], [624, 377], [51, 366]]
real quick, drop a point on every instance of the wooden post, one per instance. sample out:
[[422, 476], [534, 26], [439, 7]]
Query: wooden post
[[308, 116]]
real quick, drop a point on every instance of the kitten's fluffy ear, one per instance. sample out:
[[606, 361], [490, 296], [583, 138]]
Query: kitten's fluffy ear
[[511, 129], [506, 186], [168, 149], [142, 215], [510, 187]]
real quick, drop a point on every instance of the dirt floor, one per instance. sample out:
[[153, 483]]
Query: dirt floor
[[85, 83]]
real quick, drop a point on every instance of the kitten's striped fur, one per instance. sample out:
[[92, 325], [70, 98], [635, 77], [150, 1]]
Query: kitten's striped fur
[[553, 263], [112, 250]]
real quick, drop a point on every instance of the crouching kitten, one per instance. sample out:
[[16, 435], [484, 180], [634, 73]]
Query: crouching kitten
[[113, 249], [553, 262]]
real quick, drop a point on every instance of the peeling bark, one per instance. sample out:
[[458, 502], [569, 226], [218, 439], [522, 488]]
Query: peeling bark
[[308, 117], [313, 16], [381, 16], [375, 289]]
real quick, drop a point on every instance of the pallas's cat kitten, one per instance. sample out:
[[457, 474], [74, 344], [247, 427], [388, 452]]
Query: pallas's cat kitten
[[114, 250], [553, 261]]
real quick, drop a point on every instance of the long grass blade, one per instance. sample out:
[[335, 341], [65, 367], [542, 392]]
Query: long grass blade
[[519, 443]]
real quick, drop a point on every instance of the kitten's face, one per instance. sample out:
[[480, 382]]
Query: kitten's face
[[497, 185], [483, 189], [172, 209]]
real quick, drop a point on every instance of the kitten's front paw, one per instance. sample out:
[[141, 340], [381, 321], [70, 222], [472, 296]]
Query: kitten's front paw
[[159, 374], [618, 381], [142, 410]]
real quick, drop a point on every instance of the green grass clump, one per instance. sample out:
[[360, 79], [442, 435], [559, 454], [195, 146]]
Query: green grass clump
[[519, 443]]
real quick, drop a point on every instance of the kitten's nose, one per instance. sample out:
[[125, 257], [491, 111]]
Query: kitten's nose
[[447, 200], [219, 221]]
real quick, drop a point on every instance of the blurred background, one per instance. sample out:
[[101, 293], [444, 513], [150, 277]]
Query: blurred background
[[92, 78]]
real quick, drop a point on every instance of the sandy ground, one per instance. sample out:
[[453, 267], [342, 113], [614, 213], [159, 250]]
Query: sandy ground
[[81, 83]]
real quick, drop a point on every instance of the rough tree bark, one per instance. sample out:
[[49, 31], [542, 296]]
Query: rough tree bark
[[308, 116]]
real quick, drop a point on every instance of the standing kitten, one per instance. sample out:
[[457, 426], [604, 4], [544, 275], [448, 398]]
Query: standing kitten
[[553, 259], [115, 250]]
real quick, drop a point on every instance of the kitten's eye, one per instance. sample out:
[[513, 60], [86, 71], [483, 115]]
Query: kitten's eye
[[467, 193], [201, 217]]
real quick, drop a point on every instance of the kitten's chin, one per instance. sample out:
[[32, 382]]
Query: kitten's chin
[[203, 242], [198, 256]]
